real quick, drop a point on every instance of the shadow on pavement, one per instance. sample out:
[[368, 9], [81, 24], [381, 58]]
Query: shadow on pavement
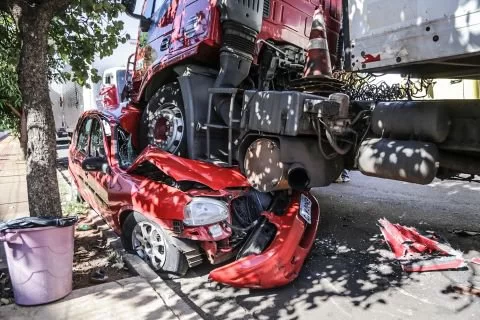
[[351, 273]]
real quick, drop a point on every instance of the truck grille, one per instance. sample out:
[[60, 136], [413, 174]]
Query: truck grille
[[266, 8]]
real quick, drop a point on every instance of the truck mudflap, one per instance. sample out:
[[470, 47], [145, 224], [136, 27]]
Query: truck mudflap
[[281, 262]]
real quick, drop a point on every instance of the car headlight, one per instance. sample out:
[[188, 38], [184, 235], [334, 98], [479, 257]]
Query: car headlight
[[202, 211]]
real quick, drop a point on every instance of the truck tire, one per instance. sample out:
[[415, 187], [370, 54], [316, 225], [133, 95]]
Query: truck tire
[[163, 122], [153, 244]]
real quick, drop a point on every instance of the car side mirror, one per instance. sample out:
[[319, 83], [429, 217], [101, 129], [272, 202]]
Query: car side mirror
[[130, 10], [95, 164]]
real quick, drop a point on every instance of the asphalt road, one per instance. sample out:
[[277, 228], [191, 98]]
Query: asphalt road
[[350, 273]]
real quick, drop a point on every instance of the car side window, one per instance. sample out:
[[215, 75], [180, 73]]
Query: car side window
[[97, 147], [82, 142], [126, 152]]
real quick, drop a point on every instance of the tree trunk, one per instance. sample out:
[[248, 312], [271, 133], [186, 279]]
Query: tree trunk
[[43, 193], [23, 133]]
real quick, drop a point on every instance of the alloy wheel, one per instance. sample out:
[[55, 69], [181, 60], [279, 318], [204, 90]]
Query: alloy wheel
[[149, 244], [167, 127]]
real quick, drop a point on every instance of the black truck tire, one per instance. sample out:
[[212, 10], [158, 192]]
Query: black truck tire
[[163, 121]]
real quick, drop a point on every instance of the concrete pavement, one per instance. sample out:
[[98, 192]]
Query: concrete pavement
[[13, 184], [3, 134], [131, 298]]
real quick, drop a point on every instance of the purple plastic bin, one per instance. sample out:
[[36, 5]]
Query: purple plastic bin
[[40, 262]]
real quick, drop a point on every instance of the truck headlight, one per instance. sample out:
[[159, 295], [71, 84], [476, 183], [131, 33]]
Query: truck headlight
[[202, 211]]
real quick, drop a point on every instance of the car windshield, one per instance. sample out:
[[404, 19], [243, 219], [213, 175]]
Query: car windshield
[[126, 150]]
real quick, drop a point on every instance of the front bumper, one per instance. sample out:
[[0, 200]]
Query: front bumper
[[281, 262]]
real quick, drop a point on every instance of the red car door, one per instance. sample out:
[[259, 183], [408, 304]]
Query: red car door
[[78, 153], [99, 182]]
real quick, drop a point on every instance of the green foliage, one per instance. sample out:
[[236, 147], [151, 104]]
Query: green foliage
[[86, 30], [74, 208], [9, 93]]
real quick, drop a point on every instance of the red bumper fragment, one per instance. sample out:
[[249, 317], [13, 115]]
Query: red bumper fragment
[[417, 252], [281, 262]]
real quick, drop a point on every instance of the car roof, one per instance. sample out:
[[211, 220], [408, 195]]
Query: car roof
[[103, 113]]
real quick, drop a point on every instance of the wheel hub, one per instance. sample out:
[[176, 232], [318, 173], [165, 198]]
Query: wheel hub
[[149, 244], [161, 130], [166, 128]]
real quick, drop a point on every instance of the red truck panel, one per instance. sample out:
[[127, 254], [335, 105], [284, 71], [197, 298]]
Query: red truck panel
[[193, 24]]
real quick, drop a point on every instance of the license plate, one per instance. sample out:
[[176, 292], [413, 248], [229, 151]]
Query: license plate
[[306, 209]]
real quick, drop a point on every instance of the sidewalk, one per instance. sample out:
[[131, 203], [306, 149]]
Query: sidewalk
[[130, 298], [13, 184], [3, 134]]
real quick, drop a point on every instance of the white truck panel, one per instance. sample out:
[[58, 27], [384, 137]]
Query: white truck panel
[[423, 37]]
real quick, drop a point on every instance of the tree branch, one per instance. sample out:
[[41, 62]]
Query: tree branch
[[56, 6], [14, 111]]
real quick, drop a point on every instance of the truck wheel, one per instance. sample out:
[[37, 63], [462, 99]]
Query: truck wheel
[[163, 122], [151, 243]]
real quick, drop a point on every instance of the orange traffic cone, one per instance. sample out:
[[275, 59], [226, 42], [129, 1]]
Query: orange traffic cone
[[318, 57]]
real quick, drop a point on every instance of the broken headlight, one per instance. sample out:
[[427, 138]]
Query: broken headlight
[[202, 211]]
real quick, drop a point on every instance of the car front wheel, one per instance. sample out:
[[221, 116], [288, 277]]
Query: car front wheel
[[153, 244]]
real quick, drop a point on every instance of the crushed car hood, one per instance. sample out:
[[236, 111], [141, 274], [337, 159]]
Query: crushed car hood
[[181, 169]]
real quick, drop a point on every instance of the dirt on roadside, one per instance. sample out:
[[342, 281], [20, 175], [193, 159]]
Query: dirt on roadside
[[92, 254]]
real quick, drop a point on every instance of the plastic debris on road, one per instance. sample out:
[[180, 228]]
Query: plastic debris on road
[[420, 251]]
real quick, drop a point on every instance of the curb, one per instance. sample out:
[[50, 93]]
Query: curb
[[171, 299], [181, 309]]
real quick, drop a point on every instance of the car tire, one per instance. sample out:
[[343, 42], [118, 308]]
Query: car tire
[[173, 262], [163, 121]]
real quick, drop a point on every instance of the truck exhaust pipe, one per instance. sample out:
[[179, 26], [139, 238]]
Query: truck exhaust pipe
[[297, 177]]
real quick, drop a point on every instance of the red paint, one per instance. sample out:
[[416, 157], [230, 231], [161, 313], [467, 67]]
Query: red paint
[[282, 261], [121, 191], [157, 201], [368, 58], [129, 119], [418, 252], [109, 96], [202, 233], [181, 169], [289, 22]]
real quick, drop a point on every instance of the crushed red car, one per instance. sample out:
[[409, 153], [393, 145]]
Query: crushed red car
[[176, 213]]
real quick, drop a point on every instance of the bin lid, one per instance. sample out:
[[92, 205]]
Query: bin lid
[[35, 222]]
